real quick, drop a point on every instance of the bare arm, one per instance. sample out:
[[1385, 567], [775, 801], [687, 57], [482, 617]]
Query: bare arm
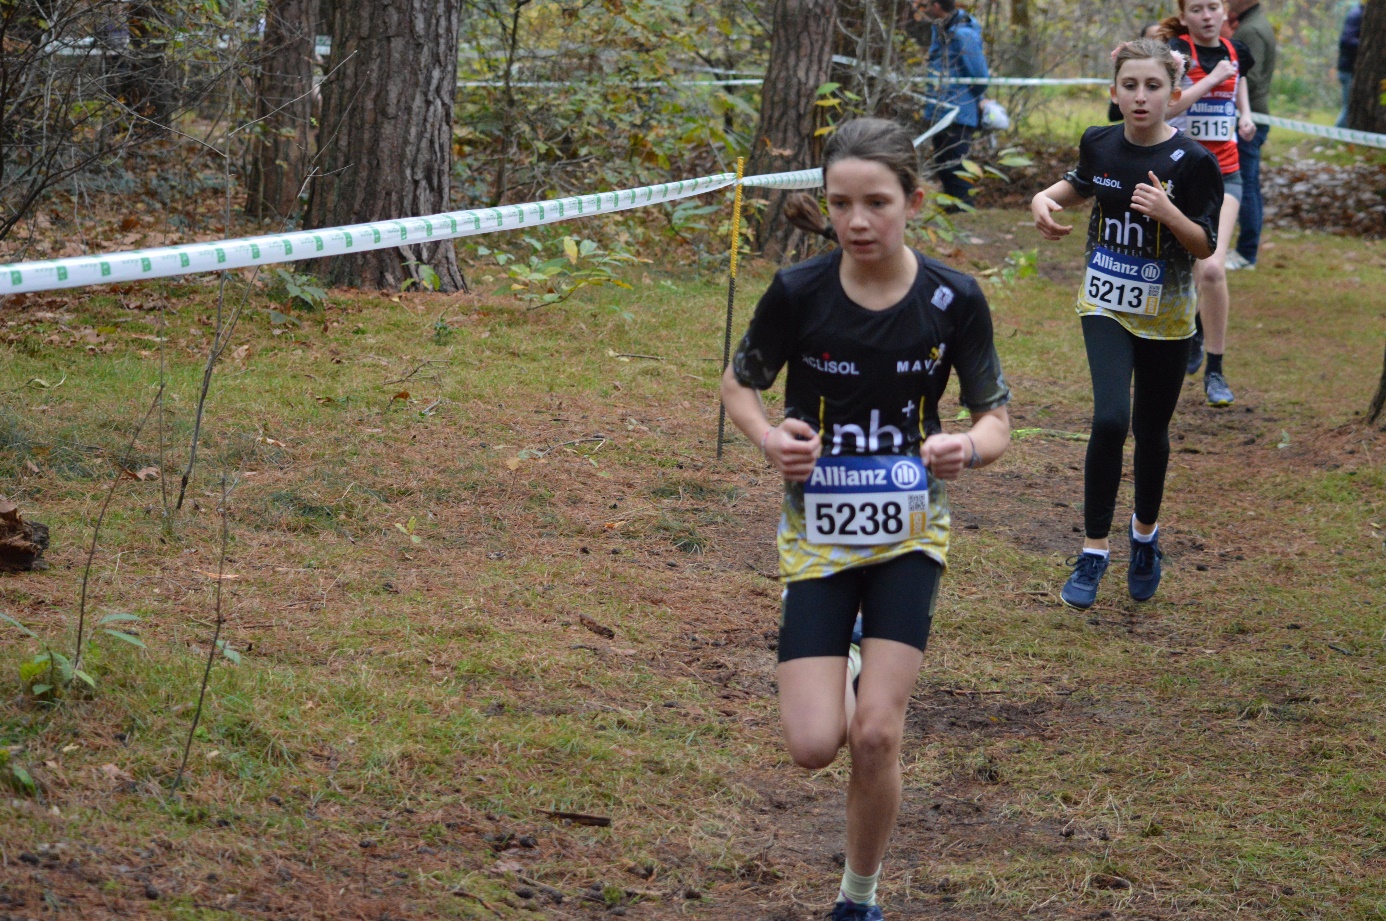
[[1192, 94], [948, 455], [791, 447], [1057, 197]]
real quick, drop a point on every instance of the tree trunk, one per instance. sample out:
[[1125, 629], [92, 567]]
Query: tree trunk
[[1378, 401], [385, 141], [1365, 109], [283, 110], [1022, 35], [801, 48]]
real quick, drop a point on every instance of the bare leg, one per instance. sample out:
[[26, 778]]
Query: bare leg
[[888, 674], [813, 714], [1211, 277]]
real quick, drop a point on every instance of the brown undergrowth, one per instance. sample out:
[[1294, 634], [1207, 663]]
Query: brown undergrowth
[[507, 626]]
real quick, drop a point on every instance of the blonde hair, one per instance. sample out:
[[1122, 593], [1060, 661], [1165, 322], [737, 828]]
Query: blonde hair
[[1149, 49]]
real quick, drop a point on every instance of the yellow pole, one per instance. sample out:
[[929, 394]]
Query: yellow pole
[[731, 296]]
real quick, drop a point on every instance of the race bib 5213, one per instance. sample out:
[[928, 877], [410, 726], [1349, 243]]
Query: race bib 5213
[[1127, 284], [866, 500]]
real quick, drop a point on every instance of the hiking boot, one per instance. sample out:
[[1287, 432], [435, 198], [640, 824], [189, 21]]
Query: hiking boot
[[1143, 575], [1195, 354], [851, 911], [1080, 591], [1215, 386]]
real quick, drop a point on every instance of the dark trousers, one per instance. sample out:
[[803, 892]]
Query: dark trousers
[[950, 146], [1253, 210], [1157, 365]]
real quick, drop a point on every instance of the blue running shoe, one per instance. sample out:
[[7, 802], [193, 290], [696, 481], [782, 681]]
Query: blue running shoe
[[1195, 354], [1143, 575], [1215, 386], [1080, 591], [851, 911]]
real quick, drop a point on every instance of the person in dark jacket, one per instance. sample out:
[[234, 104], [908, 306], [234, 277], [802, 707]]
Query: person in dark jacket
[[1255, 31], [1348, 41], [955, 52]]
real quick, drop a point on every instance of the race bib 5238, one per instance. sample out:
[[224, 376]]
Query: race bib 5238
[[1127, 284], [866, 500]]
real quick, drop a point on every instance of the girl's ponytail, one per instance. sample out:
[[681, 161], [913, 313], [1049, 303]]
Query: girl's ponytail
[[801, 210], [1172, 27]]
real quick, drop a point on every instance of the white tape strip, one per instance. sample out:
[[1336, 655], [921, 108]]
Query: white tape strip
[[1365, 138], [1016, 81], [310, 244]]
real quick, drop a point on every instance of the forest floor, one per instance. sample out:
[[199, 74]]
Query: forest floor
[[505, 623]]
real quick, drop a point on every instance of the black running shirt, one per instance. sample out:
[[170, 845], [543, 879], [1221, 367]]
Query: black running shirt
[[870, 380], [1136, 271]]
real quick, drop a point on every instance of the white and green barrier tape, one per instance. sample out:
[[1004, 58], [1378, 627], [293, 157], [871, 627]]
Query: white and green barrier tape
[[190, 258]]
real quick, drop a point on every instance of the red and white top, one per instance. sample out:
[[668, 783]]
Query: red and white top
[[1212, 120]]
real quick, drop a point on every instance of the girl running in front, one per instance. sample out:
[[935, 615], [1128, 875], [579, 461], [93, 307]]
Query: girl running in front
[[869, 333], [1214, 108], [1158, 196]]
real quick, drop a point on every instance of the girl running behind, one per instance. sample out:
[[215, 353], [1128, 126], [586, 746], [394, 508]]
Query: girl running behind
[[869, 333], [1214, 108], [1158, 197]]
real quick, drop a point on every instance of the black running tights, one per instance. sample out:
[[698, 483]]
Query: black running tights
[[1115, 356]]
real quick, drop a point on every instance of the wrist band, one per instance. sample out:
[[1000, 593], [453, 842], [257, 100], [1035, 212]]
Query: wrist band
[[764, 437], [976, 459]]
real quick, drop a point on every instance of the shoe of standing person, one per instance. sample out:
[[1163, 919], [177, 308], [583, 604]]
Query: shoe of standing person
[[1080, 591], [851, 911], [1235, 261], [1195, 354], [1215, 386], [1143, 575]]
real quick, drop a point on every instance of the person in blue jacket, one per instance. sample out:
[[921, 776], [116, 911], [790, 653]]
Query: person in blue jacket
[[955, 51]]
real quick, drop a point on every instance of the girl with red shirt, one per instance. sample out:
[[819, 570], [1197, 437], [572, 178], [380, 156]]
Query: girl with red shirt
[[1213, 109]]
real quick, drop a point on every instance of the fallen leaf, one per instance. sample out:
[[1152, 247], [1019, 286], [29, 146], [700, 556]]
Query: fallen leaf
[[115, 774], [240, 354], [31, 466], [146, 473], [513, 463], [507, 866], [595, 627], [402, 395]]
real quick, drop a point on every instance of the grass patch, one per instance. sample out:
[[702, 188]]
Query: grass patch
[[580, 619]]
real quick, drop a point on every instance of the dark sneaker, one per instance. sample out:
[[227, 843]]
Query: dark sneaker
[[1143, 575], [1080, 591], [851, 911], [1195, 354], [1215, 386]]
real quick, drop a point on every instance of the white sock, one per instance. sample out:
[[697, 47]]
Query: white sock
[[853, 663], [1095, 552], [1142, 538], [860, 890]]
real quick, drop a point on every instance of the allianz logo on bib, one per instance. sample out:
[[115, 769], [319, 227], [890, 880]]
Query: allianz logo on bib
[[1102, 260], [828, 366], [1109, 183], [905, 475], [839, 476]]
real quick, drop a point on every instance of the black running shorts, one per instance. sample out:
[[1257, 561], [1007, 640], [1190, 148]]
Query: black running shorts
[[896, 600]]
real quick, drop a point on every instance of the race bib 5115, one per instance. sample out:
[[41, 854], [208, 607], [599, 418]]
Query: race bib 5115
[[1128, 284], [866, 500], [1213, 119]]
